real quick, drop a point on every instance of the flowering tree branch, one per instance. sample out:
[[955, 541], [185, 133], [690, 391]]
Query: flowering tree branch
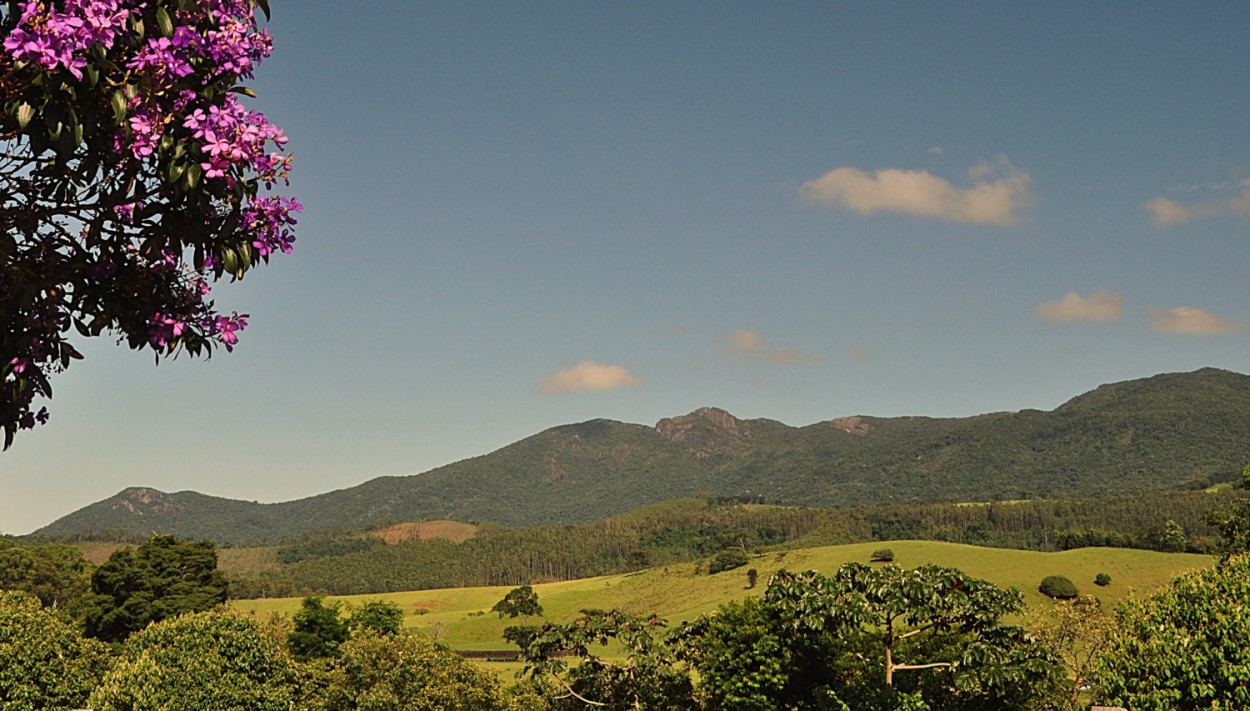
[[131, 179]]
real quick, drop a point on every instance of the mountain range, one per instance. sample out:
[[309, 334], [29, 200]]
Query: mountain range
[[1178, 430]]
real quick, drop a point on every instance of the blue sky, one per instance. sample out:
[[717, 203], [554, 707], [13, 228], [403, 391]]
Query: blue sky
[[520, 215]]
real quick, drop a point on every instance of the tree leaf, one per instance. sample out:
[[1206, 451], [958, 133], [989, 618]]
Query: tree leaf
[[119, 106], [25, 112], [164, 23]]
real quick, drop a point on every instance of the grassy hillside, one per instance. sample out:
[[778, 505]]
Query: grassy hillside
[[677, 593], [1186, 430]]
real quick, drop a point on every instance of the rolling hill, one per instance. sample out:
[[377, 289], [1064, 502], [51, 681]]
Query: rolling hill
[[1168, 431]]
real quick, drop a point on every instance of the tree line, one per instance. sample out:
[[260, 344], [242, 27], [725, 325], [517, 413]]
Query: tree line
[[345, 563]]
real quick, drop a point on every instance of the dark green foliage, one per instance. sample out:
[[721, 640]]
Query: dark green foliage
[[1058, 587], [1174, 430], [44, 662], [867, 639], [727, 560], [882, 555], [748, 659], [1102, 580], [57, 574], [381, 617], [1184, 647], [163, 578], [1233, 521], [753, 575], [319, 631], [323, 544], [403, 673], [519, 602], [217, 660], [647, 677]]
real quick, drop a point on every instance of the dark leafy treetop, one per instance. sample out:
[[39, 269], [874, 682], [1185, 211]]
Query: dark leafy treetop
[[165, 577], [519, 602], [896, 605], [131, 178]]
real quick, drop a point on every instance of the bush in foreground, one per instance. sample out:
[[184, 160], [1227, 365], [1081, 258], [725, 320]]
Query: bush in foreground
[[1184, 647], [218, 660], [405, 673], [44, 663]]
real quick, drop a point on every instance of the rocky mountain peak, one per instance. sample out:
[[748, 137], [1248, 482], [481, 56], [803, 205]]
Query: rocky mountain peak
[[851, 425], [141, 500], [705, 431]]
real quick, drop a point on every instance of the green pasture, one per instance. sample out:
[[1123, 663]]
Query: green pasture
[[461, 617]]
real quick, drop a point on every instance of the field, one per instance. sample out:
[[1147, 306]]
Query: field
[[461, 617]]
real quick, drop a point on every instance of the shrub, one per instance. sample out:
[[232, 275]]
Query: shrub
[[405, 673], [1058, 587], [217, 660], [752, 576], [727, 560], [44, 663], [1102, 580], [883, 555]]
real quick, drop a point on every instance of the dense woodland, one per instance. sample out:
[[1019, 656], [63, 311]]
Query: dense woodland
[[346, 563]]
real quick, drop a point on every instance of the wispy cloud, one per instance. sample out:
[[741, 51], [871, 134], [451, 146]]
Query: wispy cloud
[[1190, 321], [1165, 212], [1102, 305], [989, 200], [588, 376], [745, 343], [858, 356]]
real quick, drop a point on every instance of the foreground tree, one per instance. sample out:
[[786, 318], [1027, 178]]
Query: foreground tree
[[404, 673], [378, 617], [219, 660], [644, 673], [749, 659], [319, 630], [868, 638], [44, 662], [1184, 647], [1078, 633], [163, 578], [130, 178]]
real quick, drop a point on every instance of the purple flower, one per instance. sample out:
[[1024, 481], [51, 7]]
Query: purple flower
[[164, 330]]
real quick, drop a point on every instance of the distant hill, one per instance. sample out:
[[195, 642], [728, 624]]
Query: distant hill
[[1184, 430]]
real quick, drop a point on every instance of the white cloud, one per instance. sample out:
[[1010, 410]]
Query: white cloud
[[745, 343], [917, 192], [1190, 321], [936, 150], [1102, 305], [588, 376], [1166, 213]]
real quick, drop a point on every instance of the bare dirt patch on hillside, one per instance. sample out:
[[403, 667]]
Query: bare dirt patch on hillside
[[453, 531]]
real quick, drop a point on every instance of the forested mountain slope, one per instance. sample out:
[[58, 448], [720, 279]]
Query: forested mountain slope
[[1172, 430]]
